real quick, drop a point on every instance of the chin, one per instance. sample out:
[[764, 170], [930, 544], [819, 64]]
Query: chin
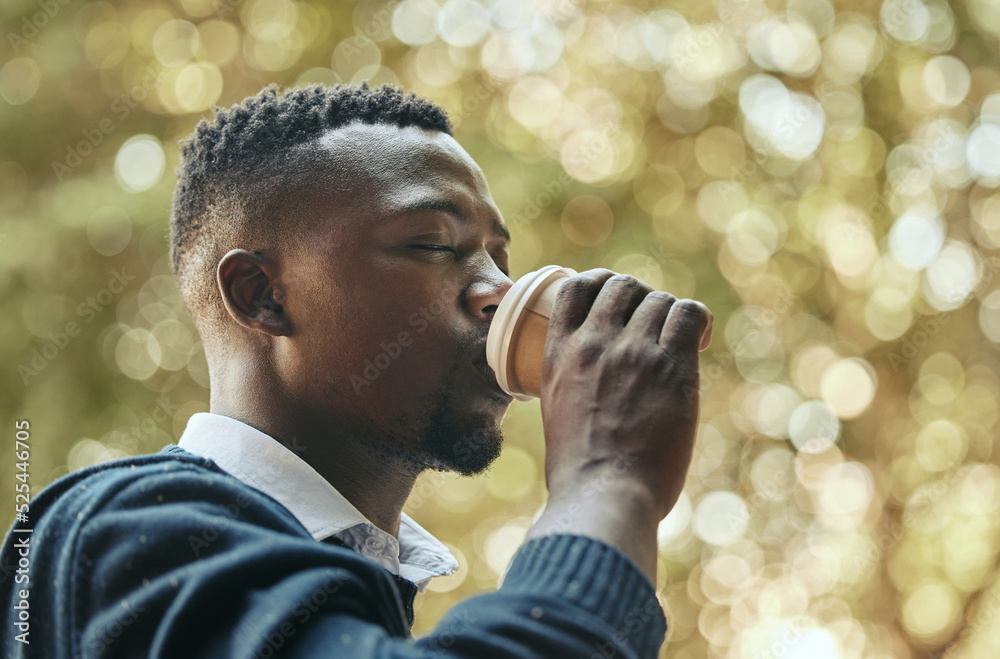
[[469, 452]]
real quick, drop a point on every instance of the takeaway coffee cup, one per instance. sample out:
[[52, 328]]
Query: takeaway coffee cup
[[516, 342]]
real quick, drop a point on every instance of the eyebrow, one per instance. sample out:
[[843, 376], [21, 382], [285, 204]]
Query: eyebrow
[[453, 209]]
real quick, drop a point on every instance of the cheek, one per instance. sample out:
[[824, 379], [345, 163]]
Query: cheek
[[376, 328], [412, 348], [398, 348]]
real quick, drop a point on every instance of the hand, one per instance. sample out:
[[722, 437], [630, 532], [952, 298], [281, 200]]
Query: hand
[[620, 386]]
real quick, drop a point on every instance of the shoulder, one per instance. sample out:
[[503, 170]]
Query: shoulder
[[169, 487], [171, 495], [89, 489], [184, 545]]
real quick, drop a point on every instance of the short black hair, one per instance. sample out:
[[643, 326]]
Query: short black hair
[[237, 170]]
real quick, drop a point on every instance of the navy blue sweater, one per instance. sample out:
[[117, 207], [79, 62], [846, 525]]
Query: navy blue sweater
[[167, 556]]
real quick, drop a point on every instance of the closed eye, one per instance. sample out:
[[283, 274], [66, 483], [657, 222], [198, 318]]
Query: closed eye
[[447, 248]]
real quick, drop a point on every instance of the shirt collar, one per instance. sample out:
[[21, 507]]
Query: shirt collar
[[264, 463]]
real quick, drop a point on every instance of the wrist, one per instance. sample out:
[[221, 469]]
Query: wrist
[[600, 508], [607, 480], [622, 515]]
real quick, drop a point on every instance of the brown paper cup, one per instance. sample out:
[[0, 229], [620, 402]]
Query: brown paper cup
[[516, 341]]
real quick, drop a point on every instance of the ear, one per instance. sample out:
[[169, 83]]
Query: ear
[[248, 292]]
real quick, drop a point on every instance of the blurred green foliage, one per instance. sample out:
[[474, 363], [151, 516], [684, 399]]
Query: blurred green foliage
[[823, 176]]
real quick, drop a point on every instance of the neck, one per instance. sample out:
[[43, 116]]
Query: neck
[[339, 449]]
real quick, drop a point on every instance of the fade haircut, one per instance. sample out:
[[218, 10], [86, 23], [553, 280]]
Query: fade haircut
[[244, 173]]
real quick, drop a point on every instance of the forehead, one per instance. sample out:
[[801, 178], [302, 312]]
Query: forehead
[[389, 164]]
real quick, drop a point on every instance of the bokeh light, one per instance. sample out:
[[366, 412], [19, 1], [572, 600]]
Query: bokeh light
[[824, 176], [139, 163]]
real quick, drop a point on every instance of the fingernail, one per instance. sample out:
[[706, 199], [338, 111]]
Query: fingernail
[[706, 338]]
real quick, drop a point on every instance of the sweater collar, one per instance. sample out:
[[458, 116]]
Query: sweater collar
[[264, 463]]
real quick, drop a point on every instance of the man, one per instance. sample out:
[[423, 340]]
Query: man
[[342, 259]]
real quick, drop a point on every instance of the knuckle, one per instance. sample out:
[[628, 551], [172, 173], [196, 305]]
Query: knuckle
[[633, 353], [590, 345], [694, 307], [575, 285], [574, 292], [660, 296], [590, 278], [628, 283], [624, 280]]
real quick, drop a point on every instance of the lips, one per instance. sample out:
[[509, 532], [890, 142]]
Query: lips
[[481, 365]]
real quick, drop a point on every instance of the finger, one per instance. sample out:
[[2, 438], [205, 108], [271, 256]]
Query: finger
[[647, 321], [706, 338], [685, 326], [574, 299], [618, 298]]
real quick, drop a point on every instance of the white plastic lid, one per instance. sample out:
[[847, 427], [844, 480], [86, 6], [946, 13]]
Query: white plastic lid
[[502, 327]]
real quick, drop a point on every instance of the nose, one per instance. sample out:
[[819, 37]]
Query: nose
[[484, 295]]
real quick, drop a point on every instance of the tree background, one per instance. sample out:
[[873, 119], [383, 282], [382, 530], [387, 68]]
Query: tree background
[[822, 175]]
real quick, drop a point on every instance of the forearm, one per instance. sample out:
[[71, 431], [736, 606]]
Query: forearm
[[620, 513]]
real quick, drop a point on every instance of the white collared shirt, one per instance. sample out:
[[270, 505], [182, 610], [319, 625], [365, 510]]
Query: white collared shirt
[[264, 463]]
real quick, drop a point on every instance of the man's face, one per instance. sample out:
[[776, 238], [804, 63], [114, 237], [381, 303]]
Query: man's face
[[392, 297]]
